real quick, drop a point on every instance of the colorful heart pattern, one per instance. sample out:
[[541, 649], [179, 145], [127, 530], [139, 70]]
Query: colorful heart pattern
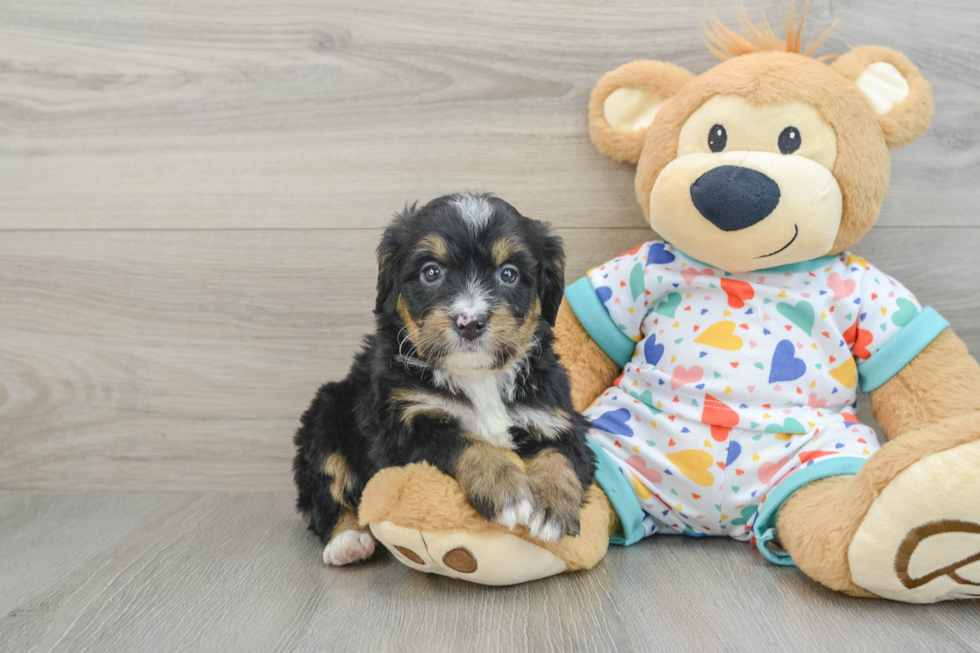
[[737, 380]]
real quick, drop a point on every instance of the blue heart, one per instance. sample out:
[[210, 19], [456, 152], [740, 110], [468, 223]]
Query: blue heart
[[786, 366], [652, 351], [603, 293], [657, 254], [734, 449], [615, 422]]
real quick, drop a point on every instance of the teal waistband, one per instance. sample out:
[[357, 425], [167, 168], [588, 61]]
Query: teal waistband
[[900, 350], [595, 318], [620, 495]]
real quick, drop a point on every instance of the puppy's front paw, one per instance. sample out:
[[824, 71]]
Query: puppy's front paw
[[497, 488], [347, 547], [558, 497]]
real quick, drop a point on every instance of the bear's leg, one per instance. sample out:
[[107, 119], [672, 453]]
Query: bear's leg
[[423, 518], [905, 527]]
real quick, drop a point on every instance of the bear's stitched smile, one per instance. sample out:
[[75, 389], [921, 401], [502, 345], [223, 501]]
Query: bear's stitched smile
[[791, 241]]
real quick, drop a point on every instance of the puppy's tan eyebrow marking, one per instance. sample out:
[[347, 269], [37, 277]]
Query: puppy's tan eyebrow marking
[[505, 248], [434, 245]]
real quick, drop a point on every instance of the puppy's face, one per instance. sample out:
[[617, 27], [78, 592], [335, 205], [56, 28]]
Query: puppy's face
[[469, 279]]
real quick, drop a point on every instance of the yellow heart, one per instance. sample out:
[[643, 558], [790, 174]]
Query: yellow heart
[[845, 374], [823, 315], [641, 489], [727, 312], [673, 359], [694, 464], [782, 293], [724, 517], [720, 335], [755, 457], [636, 450], [728, 389], [630, 309], [707, 444], [856, 259]]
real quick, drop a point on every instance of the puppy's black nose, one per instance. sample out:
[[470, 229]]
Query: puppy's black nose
[[733, 197], [470, 325]]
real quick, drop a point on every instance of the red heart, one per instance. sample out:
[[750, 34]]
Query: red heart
[[671, 443], [717, 413], [738, 292], [859, 339], [739, 472]]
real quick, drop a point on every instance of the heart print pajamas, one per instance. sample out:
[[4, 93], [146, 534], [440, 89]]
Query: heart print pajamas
[[737, 389]]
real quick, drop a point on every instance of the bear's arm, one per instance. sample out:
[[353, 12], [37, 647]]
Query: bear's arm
[[942, 381], [590, 370]]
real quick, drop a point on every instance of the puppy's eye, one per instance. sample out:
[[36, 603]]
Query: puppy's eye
[[509, 275], [789, 140], [431, 273], [717, 138]]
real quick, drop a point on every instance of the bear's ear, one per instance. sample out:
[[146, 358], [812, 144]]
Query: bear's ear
[[900, 95], [625, 102]]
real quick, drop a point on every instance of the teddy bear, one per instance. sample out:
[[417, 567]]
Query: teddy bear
[[719, 363]]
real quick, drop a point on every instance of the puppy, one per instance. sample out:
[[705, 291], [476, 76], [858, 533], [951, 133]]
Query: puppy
[[460, 369]]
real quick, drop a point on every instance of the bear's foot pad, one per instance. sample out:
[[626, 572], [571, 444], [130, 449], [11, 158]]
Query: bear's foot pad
[[920, 540], [483, 558]]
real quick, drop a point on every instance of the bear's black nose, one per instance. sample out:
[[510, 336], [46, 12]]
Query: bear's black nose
[[733, 198]]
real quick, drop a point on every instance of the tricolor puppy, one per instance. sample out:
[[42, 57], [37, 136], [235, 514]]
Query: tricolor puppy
[[460, 369]]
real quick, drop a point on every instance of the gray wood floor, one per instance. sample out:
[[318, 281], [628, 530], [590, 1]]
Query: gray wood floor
[[190, 195], [111, 571]]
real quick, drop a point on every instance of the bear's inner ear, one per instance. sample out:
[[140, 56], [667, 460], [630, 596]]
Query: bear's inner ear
[[897, 91], [629, 109], [883, 85], [625, 102]]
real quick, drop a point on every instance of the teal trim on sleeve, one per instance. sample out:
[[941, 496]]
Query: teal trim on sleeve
[[764, 528], [900, 350], [621, 496], [595, 318]]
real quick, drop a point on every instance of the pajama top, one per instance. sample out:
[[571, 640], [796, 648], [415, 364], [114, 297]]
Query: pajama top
[[736, 389]]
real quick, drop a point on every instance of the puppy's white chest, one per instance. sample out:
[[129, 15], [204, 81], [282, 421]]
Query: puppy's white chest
[[489, 418]]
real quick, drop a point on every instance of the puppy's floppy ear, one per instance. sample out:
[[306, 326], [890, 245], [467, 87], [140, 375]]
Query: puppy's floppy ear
[[898, 92], [390, 255], [551, 270], [625, 102]]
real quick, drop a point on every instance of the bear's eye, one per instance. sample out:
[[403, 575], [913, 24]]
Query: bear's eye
[[717, 138], [789, 140]]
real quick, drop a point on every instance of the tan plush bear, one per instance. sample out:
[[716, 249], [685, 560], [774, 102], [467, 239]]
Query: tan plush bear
[[720, 361]]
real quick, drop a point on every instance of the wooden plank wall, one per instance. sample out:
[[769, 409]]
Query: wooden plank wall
[[191, 192]]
